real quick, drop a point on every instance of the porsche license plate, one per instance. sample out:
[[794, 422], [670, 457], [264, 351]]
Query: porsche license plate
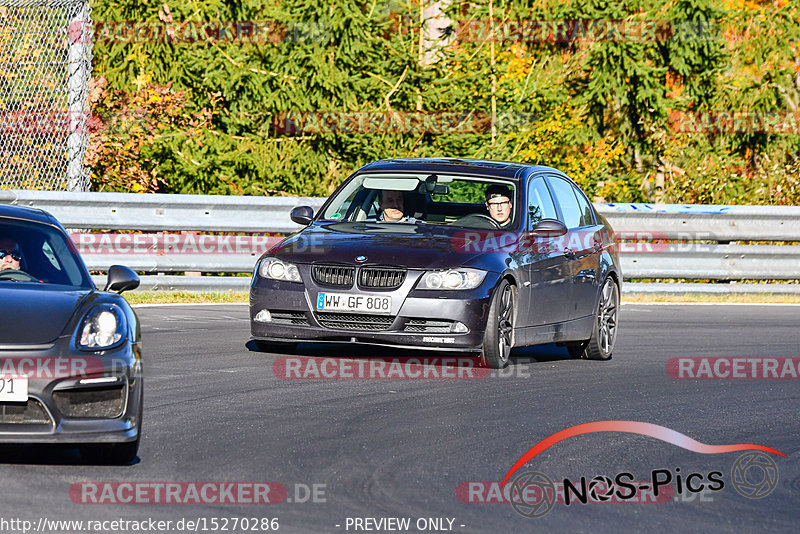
[[13, 388], [349, 302]]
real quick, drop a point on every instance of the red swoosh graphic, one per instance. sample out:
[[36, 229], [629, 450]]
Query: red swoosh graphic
[[634, 427]]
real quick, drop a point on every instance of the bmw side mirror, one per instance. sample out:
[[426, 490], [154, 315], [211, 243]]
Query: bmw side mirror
[[121, 278], [549, 228], [302, 215]]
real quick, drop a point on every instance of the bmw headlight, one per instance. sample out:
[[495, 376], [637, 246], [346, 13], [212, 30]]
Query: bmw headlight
[[279, 270], [452, 279], [103, 327]]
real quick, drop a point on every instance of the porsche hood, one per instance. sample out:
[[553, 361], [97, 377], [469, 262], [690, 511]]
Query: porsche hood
[[36, 315]]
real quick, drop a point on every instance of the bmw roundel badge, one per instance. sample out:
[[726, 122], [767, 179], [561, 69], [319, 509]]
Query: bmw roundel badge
[[361, 259]]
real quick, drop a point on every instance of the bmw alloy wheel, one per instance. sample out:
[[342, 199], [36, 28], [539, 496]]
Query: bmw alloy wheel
[[499, 337]]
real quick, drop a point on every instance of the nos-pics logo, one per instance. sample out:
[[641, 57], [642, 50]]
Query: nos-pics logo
[[533, 494]]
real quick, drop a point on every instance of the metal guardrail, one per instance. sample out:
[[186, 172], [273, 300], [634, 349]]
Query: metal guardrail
[[233, 263], [158, 212], [697, 223], [706, 222], [716, 262], [207, 284]]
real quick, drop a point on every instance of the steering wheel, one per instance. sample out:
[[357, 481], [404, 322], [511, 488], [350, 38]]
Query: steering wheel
[[479, 220], [17, 276]]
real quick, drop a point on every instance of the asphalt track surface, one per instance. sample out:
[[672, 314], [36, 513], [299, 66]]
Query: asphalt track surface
[[215, 411]]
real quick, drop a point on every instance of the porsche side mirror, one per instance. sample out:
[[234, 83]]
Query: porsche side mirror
[[549, 228], [302, 215], [121, 278]]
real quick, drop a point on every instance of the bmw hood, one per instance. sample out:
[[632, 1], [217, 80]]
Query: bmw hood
[[36, 314], [416, 246]]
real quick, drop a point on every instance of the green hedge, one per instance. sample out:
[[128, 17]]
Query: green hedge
[[201, 117]]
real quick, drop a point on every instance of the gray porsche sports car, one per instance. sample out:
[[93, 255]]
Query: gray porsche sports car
[[444, 254], [70, 355]]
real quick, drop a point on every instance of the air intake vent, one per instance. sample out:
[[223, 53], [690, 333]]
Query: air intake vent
[[91, 403], [30, 413], [353, 321], [289, 318], [428, 326]]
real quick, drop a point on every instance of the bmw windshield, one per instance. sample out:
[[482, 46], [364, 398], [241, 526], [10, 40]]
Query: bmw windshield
[[429, 198]]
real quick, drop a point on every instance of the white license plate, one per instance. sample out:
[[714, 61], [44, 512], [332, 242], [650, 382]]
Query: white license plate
[[349, 302], [13, 388]]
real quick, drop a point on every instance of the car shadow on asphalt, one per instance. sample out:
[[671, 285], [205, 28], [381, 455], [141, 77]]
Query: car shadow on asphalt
[[519, 356], [49, 454]]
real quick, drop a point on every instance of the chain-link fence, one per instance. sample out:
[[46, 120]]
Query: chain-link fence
[[45, 66]]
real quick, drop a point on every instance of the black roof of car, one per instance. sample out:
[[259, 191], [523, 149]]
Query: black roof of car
[[494, 169], [25, 213]]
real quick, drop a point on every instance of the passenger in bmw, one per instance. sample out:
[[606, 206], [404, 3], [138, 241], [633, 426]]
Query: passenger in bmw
[[498, 202]]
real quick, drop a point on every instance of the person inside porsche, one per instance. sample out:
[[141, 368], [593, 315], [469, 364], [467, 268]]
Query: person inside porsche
[[10, 255]]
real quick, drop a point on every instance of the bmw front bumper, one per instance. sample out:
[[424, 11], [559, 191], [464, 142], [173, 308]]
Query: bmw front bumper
[[430, 319]]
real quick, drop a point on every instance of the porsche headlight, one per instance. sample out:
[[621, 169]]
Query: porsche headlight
[[276, 269], [103, 327], [452, 279]]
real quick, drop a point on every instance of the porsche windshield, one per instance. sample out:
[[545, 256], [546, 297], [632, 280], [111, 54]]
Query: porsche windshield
[[437, 199], [38, 253]]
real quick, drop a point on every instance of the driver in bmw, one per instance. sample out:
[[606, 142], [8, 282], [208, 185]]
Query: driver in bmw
[[498, 202], [9, 255], [391, 205]]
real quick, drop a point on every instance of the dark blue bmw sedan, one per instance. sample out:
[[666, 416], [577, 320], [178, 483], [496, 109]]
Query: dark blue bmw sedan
[[444, 254]]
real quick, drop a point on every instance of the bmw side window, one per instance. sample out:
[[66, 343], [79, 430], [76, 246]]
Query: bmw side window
[[540, 203], [570, 210], [586, 210]]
